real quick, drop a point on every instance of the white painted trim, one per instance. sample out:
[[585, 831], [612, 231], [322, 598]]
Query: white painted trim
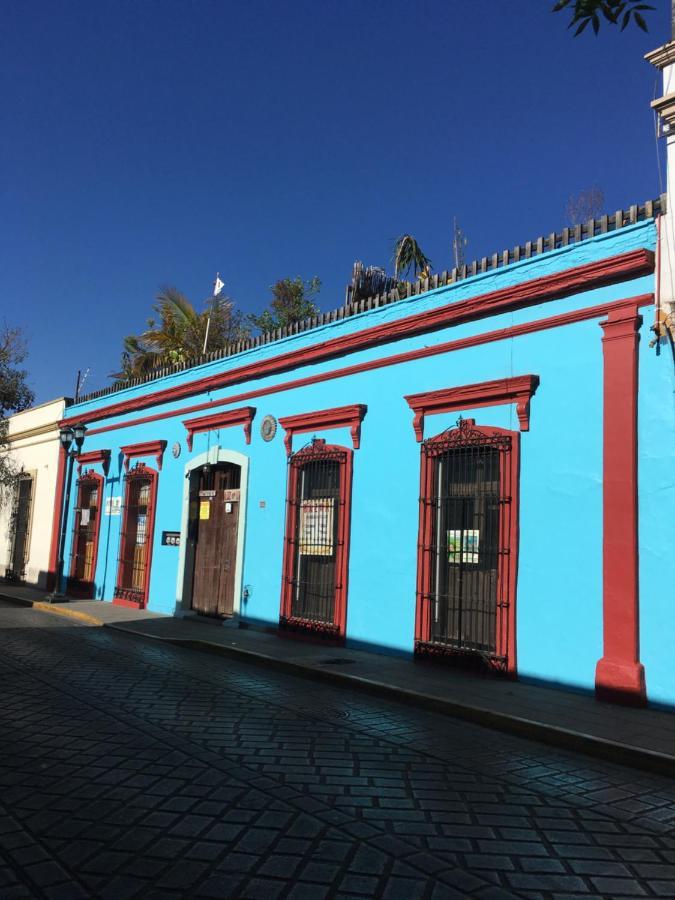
[[183, 591]]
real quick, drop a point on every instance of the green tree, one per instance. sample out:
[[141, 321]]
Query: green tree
[[409, 255], [614, 12], [177, 333], [292, 301], [15, 395]]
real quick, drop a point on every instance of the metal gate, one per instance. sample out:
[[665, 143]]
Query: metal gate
[[19, 528], [466, 542], [316, 539]]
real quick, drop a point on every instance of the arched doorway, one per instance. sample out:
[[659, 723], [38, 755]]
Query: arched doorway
[[212, 534]]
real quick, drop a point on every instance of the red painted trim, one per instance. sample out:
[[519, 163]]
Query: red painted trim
[[121, 601], [528, 293], [583, 315], [86, 590], [92, 458], [324, 419], [620, 675], [140, 470], [149, 448], [518, 390], [56, 519], [318, 450], [507, 573], [243, 416]]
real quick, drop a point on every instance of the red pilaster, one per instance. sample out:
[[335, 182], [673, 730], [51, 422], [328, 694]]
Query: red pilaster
[[56, 520], [619, 675]]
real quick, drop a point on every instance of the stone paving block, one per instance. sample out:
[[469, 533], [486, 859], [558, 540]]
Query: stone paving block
[[183, 875], [531, 864], [262, 889], [46, 874], [220, 888], [70, 890], [363, 885], [570, 883], [617, 887]]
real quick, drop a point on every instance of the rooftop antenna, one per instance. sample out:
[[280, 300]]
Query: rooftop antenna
[[80, 381], [459, 242]]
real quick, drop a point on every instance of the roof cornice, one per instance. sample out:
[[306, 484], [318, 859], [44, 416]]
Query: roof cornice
[[662, 56]]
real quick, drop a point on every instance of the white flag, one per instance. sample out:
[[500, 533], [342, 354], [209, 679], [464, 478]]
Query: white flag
[[218, 286]]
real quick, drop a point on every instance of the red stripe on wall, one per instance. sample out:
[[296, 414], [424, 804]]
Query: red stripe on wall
[[590, 312], [538, 290]]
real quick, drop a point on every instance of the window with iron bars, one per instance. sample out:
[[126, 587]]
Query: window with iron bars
[[20, 527], [316, 546], [138, 523], [468, 545]]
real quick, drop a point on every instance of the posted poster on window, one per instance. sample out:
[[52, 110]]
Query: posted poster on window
[[316, 527], [141, 525], [463, 545], [84, 517], [113, 505]]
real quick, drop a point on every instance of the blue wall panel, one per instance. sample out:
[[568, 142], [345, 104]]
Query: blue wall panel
[[559, 594]]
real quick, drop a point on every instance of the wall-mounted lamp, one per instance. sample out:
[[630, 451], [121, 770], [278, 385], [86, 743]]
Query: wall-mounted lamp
[[67, 435]]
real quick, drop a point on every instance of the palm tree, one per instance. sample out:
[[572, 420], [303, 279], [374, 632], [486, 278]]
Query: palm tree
[[179, 333], [409, 255]]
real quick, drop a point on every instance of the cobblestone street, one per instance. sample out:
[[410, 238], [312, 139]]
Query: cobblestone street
[[129, 769]]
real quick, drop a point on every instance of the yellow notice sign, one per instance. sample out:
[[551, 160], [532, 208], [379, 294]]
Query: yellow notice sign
[[204, 509]]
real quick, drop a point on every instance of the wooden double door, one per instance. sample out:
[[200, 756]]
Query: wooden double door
[[214, 533]]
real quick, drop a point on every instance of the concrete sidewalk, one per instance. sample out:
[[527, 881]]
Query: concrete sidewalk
[[638, 737]]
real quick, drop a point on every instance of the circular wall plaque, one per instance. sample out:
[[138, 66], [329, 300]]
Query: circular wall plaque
[[268, 428], [175, 450]]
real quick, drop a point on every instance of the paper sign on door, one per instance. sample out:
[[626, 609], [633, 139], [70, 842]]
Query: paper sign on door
[[316, 527], [204, 509]]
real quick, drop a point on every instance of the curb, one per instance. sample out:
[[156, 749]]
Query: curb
[[623, 754], [17, 601], [67, 613], [56, 609]]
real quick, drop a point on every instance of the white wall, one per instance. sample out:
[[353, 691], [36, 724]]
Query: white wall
[[34, 446]]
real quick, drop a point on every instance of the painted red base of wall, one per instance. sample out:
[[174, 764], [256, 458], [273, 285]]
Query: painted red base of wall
[[120, 601], [620, 682]]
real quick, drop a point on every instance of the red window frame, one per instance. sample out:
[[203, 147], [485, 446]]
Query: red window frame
[[77, 588], [318, 450], [509, 477], [124, 596]]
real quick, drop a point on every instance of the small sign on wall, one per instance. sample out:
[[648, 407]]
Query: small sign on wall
[[204, 509], [113, 505], [170, 538]]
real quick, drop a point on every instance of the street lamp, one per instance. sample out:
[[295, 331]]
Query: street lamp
[[67, 436]]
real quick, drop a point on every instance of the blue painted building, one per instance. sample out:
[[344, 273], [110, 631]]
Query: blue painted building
[[452, 473]]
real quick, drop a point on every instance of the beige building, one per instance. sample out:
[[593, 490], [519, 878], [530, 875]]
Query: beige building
[[27, 513]]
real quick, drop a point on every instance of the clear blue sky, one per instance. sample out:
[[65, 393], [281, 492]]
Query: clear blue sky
[[150, 143]]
